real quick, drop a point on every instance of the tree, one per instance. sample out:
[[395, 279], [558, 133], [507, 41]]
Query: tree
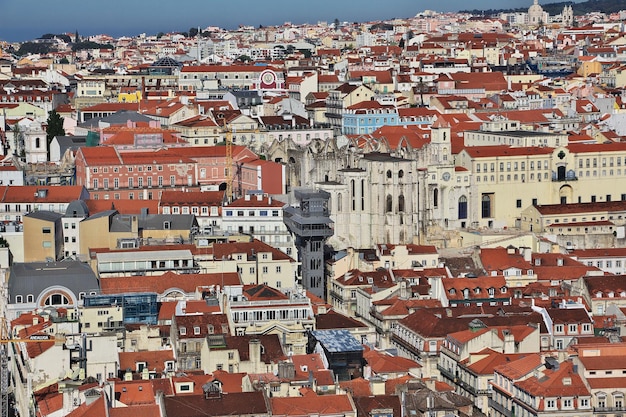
[[34, 48], [243, 58], [193, 32], [54, 128]]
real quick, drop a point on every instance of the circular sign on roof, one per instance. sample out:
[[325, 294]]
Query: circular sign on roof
[[268, 79]]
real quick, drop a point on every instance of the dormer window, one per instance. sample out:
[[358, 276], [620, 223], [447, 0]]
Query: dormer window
[[183, 331], [452, 291], [477, 290], [492, 292], [196, 330]]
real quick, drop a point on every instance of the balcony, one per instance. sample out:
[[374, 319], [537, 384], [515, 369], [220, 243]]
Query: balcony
[[609, 409], [458, 381], [500, 408], [562, 176]]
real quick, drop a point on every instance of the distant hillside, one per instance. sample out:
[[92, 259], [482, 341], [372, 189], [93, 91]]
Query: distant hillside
[[605, 6]]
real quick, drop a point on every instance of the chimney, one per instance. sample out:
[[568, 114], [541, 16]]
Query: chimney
[[509, 342], [377, 385], [255, 350], [68, 396]]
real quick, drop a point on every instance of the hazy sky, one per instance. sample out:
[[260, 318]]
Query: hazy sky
[[28, 19]]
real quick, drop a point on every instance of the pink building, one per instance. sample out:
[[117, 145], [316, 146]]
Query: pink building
[[109, 173]]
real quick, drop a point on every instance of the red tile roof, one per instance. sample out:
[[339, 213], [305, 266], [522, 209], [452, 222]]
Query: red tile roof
[[358, 387], [155, 359], [384, 363], [135, 411], [519, 368], [122, 206], [499, 259], [179, 197], [561, 382], [32, 194], [97, 408], [225, 250], [253, 201], [139, 392], [504, 150], [311, 404], [170, 280]]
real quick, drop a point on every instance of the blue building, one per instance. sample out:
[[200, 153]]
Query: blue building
[[367, 116], [137, 307]]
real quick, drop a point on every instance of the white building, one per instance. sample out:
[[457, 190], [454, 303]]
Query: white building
[[260, 216]]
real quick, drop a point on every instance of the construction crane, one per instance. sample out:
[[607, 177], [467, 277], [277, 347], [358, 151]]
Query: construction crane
[[229, 163]]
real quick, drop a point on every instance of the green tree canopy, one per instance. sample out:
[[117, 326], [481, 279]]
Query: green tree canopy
[[243, 58], [35, 48], [55, 126], [90, 45]]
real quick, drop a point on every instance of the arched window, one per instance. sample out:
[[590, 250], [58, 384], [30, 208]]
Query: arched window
[[30, 298], [400, 174], [463, 207], [436, 197], [353, 196], [486, 206], [339, 197], [389, 207], [19, 299], [56, 300], [362, 194], [389, 173], [401, 203]]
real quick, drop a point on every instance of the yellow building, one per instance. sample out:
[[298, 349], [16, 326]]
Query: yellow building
[[130, 96], [101, 318], [575, 219], [589, 65], [43, 236], [112, 230], [506, 180], [265, 310], [106, 229], [259, 263]]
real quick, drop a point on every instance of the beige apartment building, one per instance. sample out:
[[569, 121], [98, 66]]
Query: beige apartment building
[[507, 179]]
